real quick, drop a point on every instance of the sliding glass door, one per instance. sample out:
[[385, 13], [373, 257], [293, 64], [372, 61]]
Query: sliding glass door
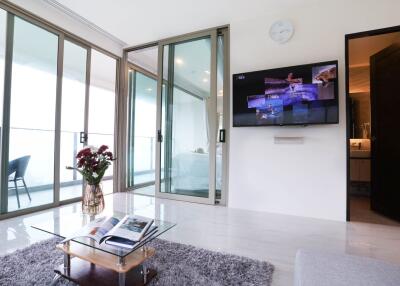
[[57, 95], [142, 120], [88, 111], [222, 120], [73, 103], [32, 116], [3, 37], [188, 119], [101, 109], [142, 137], [184, 92]]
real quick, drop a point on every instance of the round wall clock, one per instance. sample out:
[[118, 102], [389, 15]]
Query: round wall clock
[[281, 31]]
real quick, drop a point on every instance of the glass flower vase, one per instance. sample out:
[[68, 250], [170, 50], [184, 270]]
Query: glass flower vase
[[93, 200]]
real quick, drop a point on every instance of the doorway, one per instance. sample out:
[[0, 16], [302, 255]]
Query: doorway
[[181, 83], [372, 71]]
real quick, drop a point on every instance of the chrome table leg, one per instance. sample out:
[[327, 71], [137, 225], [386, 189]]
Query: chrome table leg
[[55, 280], [121, 275], [67, 259], [145, 271], [121, 279]]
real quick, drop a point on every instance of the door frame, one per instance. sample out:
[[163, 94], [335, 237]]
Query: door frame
[[123, 167], [227, 116], [349, 37], [212, 34]]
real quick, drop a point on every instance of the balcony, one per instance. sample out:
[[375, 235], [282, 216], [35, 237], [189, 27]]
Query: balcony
[[39, 175]]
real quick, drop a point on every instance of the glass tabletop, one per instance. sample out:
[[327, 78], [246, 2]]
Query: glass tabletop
[[69, 225]]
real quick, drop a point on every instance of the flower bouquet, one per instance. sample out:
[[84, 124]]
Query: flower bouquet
[[92, 163]]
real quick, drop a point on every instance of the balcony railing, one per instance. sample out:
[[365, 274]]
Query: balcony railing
[[39, 144]]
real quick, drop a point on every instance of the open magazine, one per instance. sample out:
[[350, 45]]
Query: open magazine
[[130, 230]]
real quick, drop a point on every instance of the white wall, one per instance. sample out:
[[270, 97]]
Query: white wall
[[306, 179], [56, 17]]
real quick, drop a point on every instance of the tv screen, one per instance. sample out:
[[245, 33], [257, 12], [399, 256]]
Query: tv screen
[[298, 95]]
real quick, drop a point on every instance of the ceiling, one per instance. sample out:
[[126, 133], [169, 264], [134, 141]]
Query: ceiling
[[137, 22], [359, 79], [360, 51]]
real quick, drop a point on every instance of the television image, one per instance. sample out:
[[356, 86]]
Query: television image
[[298, 95]]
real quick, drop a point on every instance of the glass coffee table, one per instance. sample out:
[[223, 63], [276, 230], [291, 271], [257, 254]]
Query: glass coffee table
[[88, 263]]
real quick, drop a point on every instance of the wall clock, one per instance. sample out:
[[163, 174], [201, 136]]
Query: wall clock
[[281, 31]]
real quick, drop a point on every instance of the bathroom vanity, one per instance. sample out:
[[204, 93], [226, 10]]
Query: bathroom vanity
[[360, 160]]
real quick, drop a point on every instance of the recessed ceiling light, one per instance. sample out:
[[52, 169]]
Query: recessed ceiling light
[[205, 79], [207, 72], [179, 61], [149, 89]]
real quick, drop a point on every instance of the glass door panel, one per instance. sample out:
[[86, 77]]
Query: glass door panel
[[3, 29], [188, 104], [32, 116], [72, 117], [102, 107], [142, 126], [220, 117]]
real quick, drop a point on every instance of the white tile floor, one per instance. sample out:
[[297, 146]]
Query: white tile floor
[[265, 236], [147, 191]]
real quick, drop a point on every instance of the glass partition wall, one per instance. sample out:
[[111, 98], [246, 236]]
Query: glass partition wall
[[189, 131], [57, 95]]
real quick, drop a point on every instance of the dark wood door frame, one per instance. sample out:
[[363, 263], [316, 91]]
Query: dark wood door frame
[[349, 37]]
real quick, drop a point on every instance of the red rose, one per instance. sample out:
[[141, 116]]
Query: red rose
[[109, 154], [81, 162], [83, 152], [102, 149]]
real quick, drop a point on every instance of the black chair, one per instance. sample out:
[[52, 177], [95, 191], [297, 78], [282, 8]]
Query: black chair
[[18, 168]]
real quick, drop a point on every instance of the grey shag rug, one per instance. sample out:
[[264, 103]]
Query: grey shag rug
[[176, 264]]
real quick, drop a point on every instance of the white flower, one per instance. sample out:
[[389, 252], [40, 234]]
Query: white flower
[[95, 175], [93, 149]]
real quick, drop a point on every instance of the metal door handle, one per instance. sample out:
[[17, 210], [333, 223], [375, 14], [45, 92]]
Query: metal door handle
[[83, 137], [222, 135], [159, 136]]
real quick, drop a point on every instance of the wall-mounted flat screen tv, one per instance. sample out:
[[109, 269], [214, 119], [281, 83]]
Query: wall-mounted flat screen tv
[[298, 95]]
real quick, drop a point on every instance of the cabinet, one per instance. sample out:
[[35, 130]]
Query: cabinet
[[360, 170]]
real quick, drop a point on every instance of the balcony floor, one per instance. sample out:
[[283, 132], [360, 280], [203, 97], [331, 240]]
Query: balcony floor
[[46, 196]]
